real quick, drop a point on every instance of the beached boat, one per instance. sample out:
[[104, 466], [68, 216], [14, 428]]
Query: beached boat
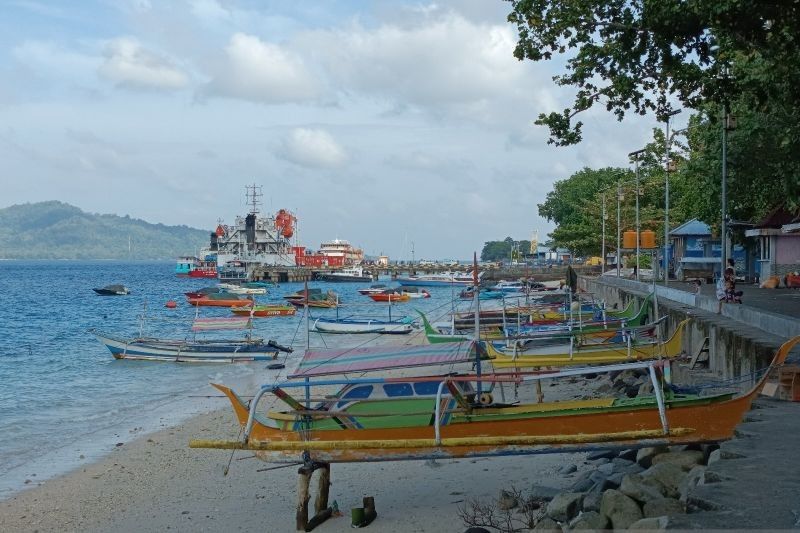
[[352, 274], [452, 416], [390, 295], [262, 311], [363, 325], [574, 352], [113, 290], [195, 350]]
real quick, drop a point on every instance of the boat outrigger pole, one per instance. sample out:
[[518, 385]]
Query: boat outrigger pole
[[476, 296]]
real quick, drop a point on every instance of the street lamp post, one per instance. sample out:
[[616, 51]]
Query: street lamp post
[[635, 155], [667, 141], [603, 259], [619, 197], [724, 232]]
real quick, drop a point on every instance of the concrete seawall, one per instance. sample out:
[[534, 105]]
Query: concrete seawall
[[741, 340]]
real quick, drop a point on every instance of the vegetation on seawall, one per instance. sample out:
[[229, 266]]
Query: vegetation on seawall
[[56, 230]]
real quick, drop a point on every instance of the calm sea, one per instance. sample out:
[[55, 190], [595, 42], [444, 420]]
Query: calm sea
[[64, 400]]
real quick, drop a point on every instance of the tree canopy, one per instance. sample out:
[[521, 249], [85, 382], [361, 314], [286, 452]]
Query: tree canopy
[[640, 56]]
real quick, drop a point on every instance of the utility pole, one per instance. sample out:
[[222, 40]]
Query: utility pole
[[603, 259], [724, 232], [667, 142], [619, 197], [635, 155]]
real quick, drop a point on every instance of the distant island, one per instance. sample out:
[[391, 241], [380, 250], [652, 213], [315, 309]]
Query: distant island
[[56, 230]]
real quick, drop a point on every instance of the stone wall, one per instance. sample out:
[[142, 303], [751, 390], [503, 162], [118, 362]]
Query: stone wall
[[736, 348]]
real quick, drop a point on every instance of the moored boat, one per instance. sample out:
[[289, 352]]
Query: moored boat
[[373, 289], [390, 295], [113, 290], [263, 311], [445, 279], [363, 325], [351, 274], [220, 300], [313, 298], [195, 350]]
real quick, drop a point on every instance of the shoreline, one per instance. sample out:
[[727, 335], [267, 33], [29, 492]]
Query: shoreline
[[156, 482]]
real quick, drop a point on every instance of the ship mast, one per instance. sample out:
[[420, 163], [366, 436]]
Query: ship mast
[[254, 196]]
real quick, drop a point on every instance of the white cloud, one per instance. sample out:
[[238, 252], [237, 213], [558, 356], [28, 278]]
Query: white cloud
[[312, 148], [263, 72], [444, 63], [128, 63]]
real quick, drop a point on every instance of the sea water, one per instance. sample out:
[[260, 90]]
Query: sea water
[[65, 400]]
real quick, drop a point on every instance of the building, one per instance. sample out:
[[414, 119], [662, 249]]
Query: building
[[778, 239], [696, 253]]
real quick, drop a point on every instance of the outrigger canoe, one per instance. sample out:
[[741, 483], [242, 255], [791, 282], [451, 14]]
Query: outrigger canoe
[[363, 325], [575, 353], [261, 311], [390, 419]]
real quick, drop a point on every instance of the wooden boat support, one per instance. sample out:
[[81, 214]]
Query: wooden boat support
[[321, 509]]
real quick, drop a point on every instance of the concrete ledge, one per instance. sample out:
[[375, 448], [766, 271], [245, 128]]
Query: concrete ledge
[[774, 323]]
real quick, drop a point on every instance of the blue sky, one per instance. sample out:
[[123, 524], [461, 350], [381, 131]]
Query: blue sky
[[380, 122]]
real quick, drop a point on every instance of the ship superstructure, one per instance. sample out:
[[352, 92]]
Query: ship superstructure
[[253, 240], [339, 248]]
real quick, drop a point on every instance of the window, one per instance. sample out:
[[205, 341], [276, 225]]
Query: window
[[397, 389], [356, 393], [429, 388]]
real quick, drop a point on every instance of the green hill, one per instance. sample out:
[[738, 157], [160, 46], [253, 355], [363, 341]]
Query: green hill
[[55, 230]]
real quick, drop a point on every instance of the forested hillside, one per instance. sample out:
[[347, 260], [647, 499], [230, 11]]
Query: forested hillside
[[55, 230]]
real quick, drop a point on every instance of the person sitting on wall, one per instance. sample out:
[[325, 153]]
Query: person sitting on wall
[[726, 289]]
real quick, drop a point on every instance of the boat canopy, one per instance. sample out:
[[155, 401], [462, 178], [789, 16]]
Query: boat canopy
[[217, 323], [343, 361]]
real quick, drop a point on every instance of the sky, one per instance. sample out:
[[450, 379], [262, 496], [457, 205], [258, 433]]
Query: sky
[[385, 123]]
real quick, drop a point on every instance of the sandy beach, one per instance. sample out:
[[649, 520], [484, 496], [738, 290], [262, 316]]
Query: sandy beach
[[157, 483]]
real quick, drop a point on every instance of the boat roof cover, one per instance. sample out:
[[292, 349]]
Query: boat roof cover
[[346, 360], [216, 323]]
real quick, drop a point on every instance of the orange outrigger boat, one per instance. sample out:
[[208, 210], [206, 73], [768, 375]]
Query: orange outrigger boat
[[389, 419]]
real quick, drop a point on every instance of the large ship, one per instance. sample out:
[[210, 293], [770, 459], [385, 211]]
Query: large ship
[[341, 249], [253, 240]]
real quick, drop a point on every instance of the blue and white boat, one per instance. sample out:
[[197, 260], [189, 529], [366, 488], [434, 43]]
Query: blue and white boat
[[444, 279], [195, 350], [363, 325]]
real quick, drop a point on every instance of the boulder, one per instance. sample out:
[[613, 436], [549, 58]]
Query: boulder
[[620, 509], [605, 469], [630, 469], [693, 478], [635, 487], [663, 507], [629, 454], [543, 493], [651, 524], [589, 520], [506, 501], [645, 455], [645, 389], [615, 479], [567, 469], [601, 454], [591, 502], [686, 459], [714, 456], [620, 463], [668, 476], [565, 506], [584, 484], [547, 524]]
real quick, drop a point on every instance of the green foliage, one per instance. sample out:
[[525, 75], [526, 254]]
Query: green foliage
[[640, 56], [505, 250], [55, 230], [575, 206]]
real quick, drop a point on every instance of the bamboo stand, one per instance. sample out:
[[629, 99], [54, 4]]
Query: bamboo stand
[[321, 509]]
